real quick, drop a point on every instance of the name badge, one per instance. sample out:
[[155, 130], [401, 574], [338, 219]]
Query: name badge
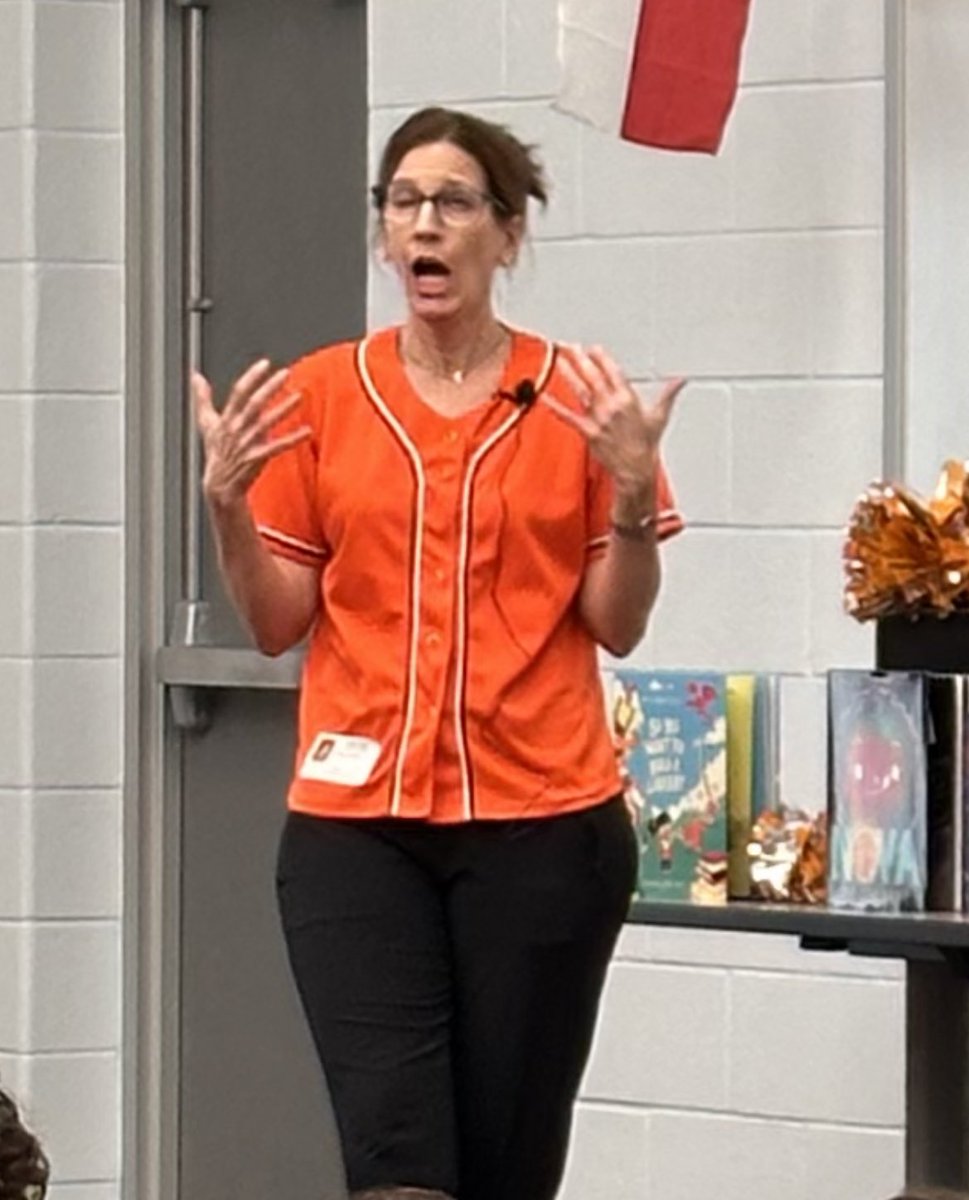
[[340, 758]]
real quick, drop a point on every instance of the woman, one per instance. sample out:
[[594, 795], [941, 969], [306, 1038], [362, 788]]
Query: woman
[[456, 513], [23, 1167]]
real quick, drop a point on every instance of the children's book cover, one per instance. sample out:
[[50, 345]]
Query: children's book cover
[[670, 734], [878, 855]]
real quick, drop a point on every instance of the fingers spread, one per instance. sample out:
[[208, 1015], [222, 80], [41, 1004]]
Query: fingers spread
[[609, 368], [580, 421], [578, 385], [243, 388], [205, 413], [271, 417], [279, 445]]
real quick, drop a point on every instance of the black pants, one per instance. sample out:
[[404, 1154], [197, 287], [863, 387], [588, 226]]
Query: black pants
[[451, 977]]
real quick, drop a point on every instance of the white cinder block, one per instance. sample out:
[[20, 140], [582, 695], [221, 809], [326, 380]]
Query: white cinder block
[[77, 722], [79, 465], [425, 52], [803, 743], [78, 76], [75, 986], [16, 287], [13, 34], [14, 854], [697, 452], [79, 190], [855, 1164], [847, 285], [642, 1056], [778, 46], [591, 292], [15, 728], [385, 303], [809, 157], [15, 451], [837, 1022], [531, 48], [76, 1112], [731, 601], [836, 639], [802, 451], [79, 329], [12, 1069], [631, 189], [85, 1191], [607, 1158], [848, 41], [14, 192], [747, 1158], [14, 987], [556, 140], [635, 944], [78, 606], [759, 952], [14, 590], [732, 305], [76, 854]]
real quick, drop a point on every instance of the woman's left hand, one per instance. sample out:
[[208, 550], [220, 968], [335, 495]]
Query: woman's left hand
[[623, 431]]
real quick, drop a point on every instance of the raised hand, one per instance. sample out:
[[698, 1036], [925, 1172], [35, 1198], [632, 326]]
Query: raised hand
[[623, 431], [237, 441]]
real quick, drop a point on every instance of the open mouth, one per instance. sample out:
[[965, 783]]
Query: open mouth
[[428, 267]]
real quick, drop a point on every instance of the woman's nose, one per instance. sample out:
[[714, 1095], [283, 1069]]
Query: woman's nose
[[428, 218]]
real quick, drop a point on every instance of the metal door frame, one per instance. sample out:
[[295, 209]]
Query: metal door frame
[[150, 932]]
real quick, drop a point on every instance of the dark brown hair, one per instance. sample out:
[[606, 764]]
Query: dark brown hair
[[23, 1166], [511, 168]]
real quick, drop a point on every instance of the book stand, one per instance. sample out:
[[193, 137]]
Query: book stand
[[935, 947]]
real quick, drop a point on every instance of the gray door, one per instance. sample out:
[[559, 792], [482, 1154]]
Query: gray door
[[283, 268]]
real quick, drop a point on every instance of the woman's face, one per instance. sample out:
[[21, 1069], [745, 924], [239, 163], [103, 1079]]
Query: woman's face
[[445, 254]]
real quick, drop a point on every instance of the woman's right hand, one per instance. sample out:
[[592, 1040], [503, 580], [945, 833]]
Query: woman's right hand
[[237, 441]]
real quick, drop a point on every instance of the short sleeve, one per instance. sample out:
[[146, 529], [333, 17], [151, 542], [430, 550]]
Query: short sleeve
[[669, 521], [284, 500]]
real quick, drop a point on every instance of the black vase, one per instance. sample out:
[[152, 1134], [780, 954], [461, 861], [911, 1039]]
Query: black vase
[[925, 644]]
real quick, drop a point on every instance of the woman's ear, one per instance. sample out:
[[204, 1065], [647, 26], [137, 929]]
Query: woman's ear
[[514, 234]]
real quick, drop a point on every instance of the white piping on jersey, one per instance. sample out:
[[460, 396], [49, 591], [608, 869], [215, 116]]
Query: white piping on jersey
[[464, 547], [287, 539], [462, 614], [418, 520]]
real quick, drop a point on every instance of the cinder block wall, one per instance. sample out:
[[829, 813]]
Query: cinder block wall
[[724, 1060], [732, 1064], [61, 551]]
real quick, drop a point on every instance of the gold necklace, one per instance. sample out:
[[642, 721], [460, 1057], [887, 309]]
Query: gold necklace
[[460, 374]]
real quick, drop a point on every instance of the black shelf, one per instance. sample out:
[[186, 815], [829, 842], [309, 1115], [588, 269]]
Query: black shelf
[[902, 935]]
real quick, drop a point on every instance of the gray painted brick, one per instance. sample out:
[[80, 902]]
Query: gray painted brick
[[78, 602], [79, 466], [75, 986], [79, 191], [15, 451], [840, 1040], [608, 1159], [77, 851], [689, 1151], [78, 79], [77, 722], [79, 329], [82, 1138], [782, 447], [645, 1053], [423, 51]]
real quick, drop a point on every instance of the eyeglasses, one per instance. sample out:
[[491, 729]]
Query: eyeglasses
[[455, 204]]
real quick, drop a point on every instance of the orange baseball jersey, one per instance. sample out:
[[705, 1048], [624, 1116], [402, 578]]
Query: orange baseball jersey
[[449, 675]]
